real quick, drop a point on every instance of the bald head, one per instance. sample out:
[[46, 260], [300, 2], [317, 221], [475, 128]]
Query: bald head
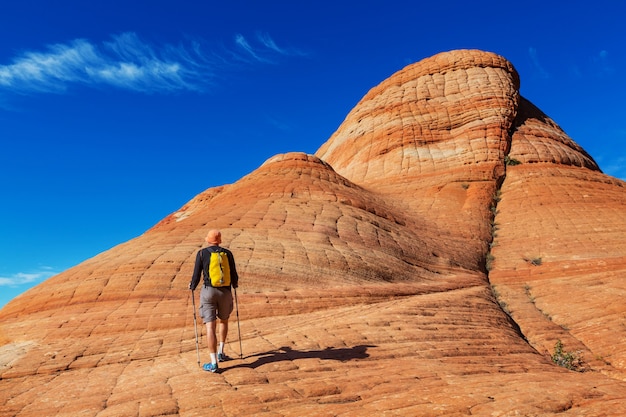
[[214, 237]]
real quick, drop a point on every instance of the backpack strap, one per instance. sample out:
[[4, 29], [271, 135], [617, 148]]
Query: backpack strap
[[205, 268]]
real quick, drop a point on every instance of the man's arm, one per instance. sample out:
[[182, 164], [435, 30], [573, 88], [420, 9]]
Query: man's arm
[[234, 277], [197, 272]]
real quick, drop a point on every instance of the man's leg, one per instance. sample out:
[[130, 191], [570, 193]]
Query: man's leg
[[222, 333], [211, 340], [208, 313]]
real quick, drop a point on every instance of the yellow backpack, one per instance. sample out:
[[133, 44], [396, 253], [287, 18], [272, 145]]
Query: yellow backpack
[[218, 273]]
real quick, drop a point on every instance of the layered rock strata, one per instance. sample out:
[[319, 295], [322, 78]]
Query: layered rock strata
[[425, 261]]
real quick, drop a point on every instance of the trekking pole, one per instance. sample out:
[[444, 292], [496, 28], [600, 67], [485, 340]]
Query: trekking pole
[[238, 326], [195, 326]]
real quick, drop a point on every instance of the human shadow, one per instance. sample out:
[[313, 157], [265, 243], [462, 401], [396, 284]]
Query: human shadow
[[286, 353]]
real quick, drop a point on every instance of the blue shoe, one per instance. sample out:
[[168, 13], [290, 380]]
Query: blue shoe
[[222, 357], [210, 367]]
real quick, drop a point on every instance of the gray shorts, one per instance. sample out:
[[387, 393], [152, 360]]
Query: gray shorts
[[215, 302]]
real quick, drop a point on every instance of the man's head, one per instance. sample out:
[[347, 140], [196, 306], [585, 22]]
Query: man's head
[[214, 237]]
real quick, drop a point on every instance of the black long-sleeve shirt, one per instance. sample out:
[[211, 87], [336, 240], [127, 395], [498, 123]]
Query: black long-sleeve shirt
[[203, 257]]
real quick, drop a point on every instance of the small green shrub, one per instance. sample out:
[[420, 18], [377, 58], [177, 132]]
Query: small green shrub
[[503, 305], [489, 259], [534, 261], [527, 291], [569, 360], [511, 161]]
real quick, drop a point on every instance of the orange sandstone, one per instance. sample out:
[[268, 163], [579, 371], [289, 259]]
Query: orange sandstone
[[425, 261]]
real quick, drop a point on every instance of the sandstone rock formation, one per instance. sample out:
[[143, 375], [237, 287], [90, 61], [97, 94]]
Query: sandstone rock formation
[[425, 261]]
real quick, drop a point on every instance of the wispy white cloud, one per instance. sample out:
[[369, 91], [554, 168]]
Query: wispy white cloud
[[125, 62], [597, 65], [615, 167], [269, 43], [534, 59], [279, 124], [601, 64], [128, 63], [23, 278], [612, 159], [262, 48], [243, 44]]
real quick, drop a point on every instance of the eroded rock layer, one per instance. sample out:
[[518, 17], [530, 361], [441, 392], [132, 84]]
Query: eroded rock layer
[[424, 261]]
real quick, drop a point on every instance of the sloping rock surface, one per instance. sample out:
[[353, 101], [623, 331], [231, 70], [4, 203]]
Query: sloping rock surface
[[425, 261]]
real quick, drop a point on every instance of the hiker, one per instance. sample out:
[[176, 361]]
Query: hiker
[[216, 301]]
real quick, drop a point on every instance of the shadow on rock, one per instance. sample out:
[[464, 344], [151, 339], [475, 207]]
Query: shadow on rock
[[288, 354]]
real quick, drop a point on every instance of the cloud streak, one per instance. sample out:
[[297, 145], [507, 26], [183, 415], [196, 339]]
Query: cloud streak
[[241, 41], [128, 63], [616, 168], [24, 278], [534, 59], [601, 64]]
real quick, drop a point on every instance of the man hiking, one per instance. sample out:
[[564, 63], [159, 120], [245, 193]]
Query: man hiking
[[217, 264]]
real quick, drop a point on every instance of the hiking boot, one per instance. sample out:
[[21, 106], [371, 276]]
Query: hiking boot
[[210, 367], [221, 357]]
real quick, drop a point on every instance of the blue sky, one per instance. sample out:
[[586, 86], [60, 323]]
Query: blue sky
[[111, 112]]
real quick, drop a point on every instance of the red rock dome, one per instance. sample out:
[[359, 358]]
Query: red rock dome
[[425, 261]]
